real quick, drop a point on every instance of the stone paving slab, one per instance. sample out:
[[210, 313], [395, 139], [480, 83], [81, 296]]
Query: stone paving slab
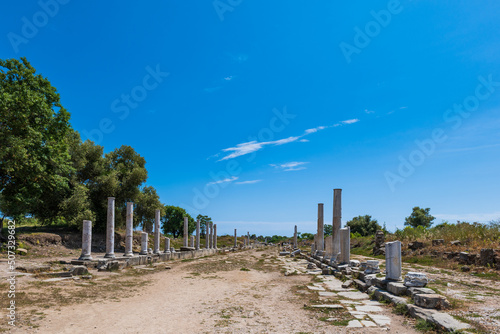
[[332, 306], [354, 324], [354, 295], [368, 308], [380, 320]]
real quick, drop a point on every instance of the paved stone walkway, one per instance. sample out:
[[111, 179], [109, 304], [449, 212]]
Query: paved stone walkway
[[367, 312]]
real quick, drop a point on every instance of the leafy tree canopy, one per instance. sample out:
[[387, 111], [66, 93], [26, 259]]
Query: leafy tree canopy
[[364, 225], [419, 217], [173, 221], [34, 157]]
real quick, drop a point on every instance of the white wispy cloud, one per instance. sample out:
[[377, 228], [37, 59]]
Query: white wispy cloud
[[350, 121], [254, 146], [229, 78], [248, 182], [369, 111], [230, 179], [290, 166]]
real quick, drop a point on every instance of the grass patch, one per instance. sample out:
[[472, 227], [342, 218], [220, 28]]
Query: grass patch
[[244, 269]]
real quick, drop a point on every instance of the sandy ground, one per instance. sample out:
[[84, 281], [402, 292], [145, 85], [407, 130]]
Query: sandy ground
[[208, 295]]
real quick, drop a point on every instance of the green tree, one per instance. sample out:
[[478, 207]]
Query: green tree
[[204, 221], [146, 205], [34, 158], [364, 225], [327, 229], [419, 217], [307, 236], [173, 221]]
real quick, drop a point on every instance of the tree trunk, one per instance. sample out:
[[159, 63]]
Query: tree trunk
[[1, 225]]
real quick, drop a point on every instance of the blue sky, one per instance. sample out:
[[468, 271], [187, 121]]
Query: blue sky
[[252, 112]]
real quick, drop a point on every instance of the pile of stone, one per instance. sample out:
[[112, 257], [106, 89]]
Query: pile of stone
[[379, 248]]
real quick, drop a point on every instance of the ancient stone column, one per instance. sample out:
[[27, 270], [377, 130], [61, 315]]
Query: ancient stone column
[[144, 244], [167, 245], [336, 222], [191, 244], [207, 237], [197, 234], [186, 231], [110, 229], [156, 250], [320, 246], [129, 234], [235, 239], [295, 244], [215, 236], [210, 236], [86, 241], [345, 245], [393, 260]]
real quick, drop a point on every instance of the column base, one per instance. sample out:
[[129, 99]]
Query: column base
[[157, 252], [143, 253], [166, 252], [129, 254], [110, 256], [85, 258]]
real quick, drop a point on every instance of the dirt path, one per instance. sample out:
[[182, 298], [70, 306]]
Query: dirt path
[[218, 294]]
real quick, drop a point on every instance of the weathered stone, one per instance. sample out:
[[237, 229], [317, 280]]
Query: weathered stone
[[393, 260], [284, 253], [320, 240], [414, 279], [79, 270], [397, 288], [157, 234], [129, 233], [379, 248], [455, 243], [110, 229], [144, 244], [347, 284], [414, 291], [440, 319], [437, 242], [361, 285], [370, 279], [354, 263], [415, 245], [86, 241], [33, 268], [486, 257], [186, 233], [330, 306], [22, 251], [372, 267], [433, 300], [336, 224], [345, 245], [465, 268], [187, 249]]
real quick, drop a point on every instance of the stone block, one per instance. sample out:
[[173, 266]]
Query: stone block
[[360, 284], [397, 288], [347, 284], [354, 263], [414, 279], [487, 257], [415, 245], [415, 291], [434, 301], [437, 242], [79, 270], [393, 260], [442, 320]]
